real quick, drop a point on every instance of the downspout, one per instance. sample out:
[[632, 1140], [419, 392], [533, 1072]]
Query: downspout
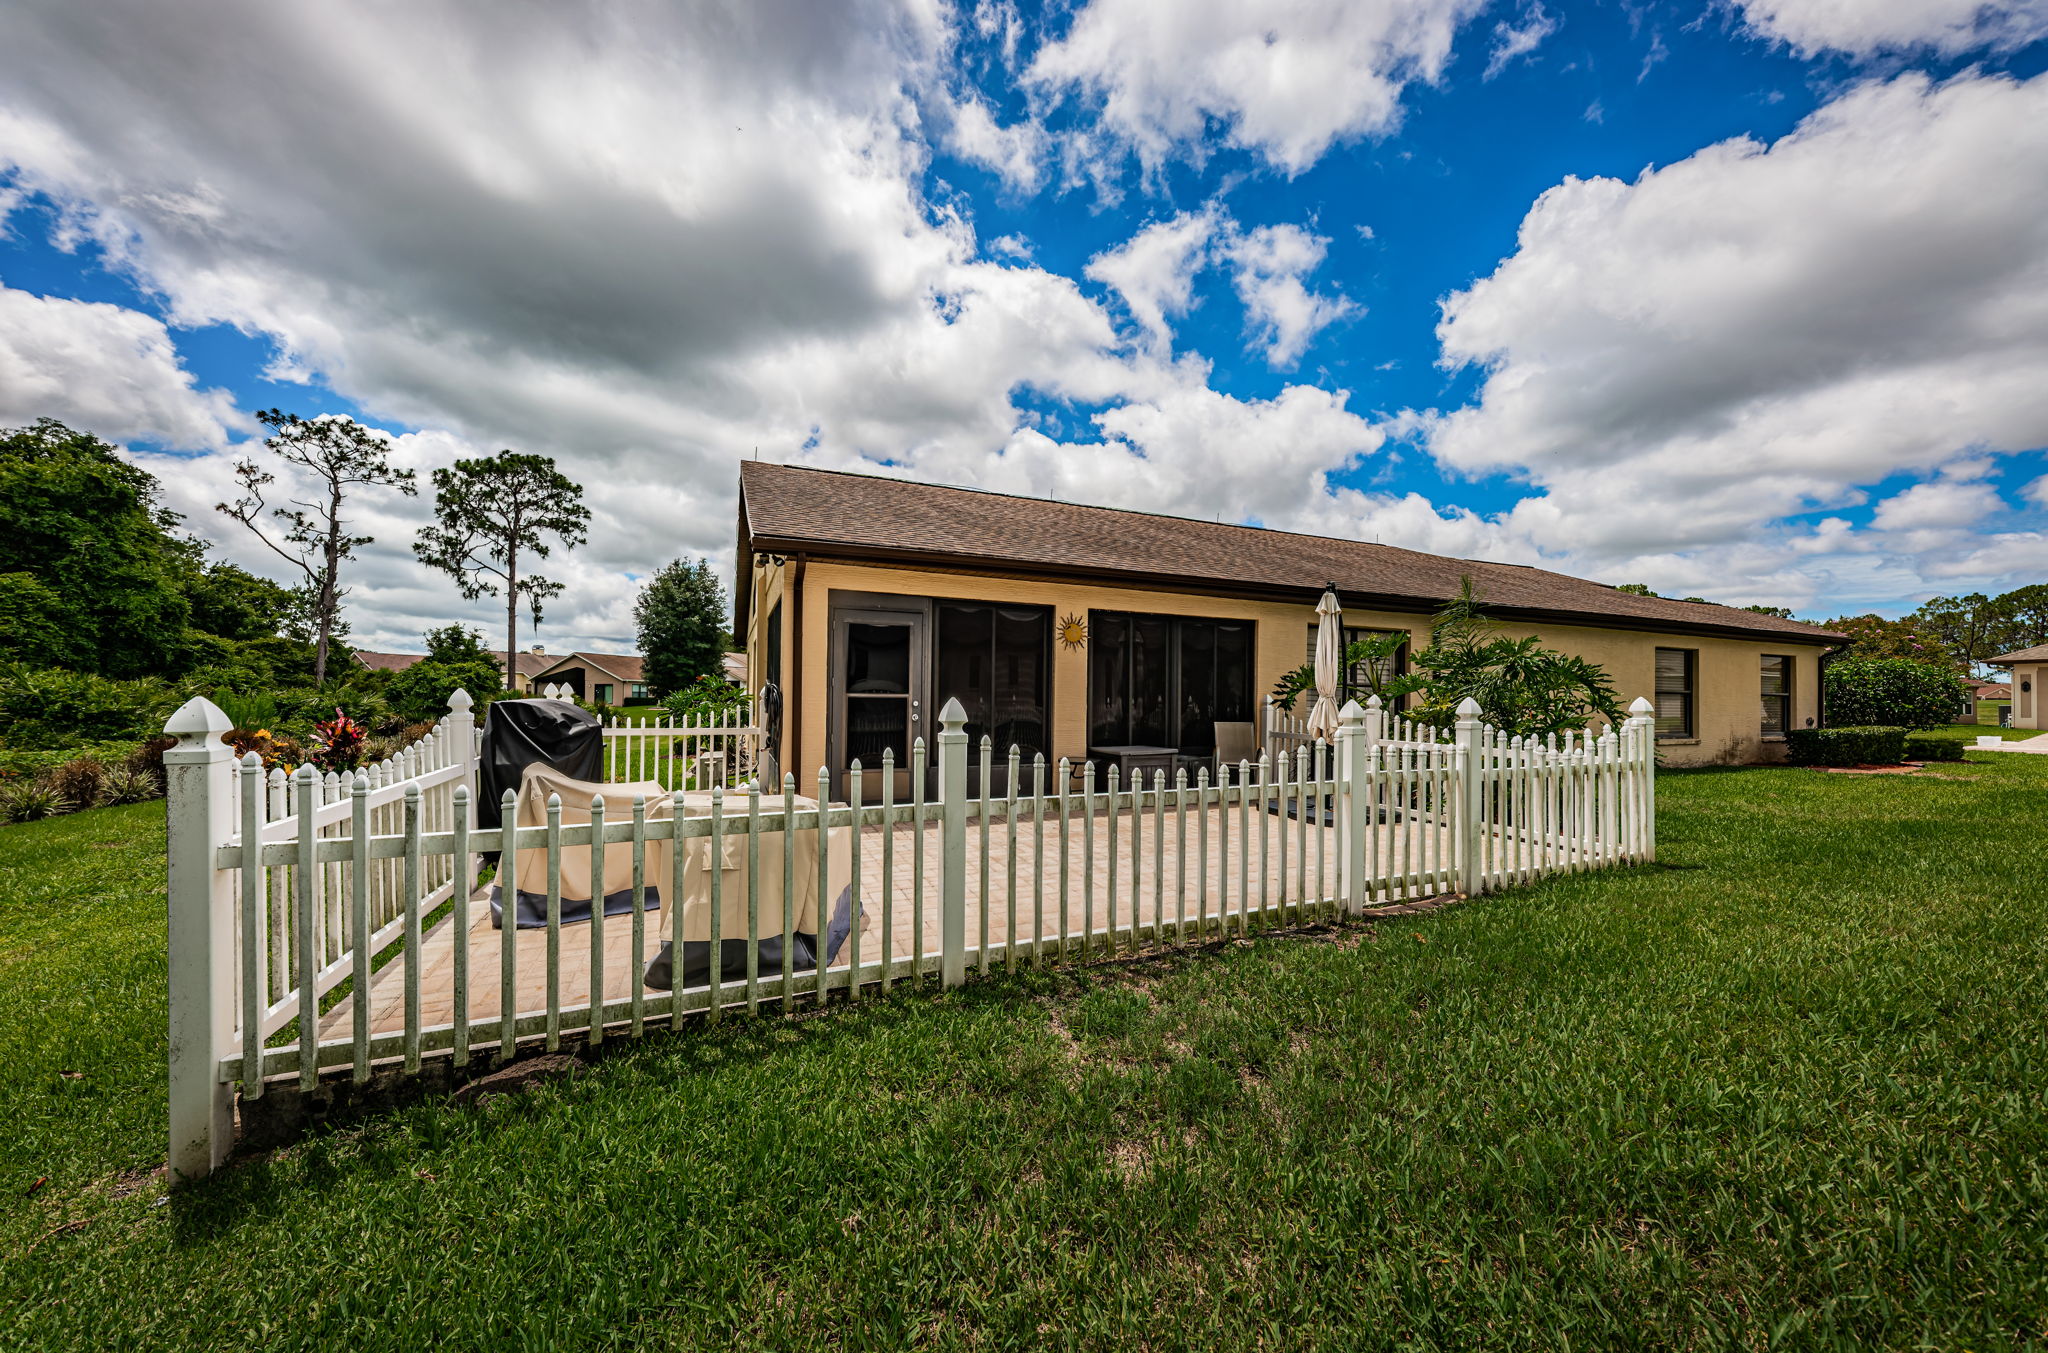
[[793, 694]]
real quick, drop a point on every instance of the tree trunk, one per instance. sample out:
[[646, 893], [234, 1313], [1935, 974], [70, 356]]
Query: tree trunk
[[512, 622]]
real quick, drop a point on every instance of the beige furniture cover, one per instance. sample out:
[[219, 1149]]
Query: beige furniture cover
[[540, 782]]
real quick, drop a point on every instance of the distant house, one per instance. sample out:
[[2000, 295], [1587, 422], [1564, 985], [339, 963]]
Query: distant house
[[1986, 700], [530, 663], [2028, 666], [735, 667], [601, 678]]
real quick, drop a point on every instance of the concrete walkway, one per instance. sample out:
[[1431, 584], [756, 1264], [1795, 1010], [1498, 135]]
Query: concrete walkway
[[2036, 745]]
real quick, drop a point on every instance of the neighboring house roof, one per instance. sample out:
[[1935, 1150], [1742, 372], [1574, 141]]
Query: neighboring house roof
[[529, 663], [624, 667], [2038, 653], [1993, 690], [387, 662], [735, 665], [786, 509]]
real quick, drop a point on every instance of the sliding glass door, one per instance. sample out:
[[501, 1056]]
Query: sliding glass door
[[996, 661], [1166, 681]]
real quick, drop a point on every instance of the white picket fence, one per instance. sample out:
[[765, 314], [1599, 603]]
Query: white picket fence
[[693, 752], [279, 885]]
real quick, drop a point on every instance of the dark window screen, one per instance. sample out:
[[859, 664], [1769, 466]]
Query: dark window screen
[[1675, 668], [994, 660], [1165, 681]]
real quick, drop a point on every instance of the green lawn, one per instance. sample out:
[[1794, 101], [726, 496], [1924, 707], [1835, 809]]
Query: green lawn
[[1785, 1089]]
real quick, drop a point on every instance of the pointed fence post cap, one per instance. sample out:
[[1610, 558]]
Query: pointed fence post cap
[[1353, 712], [953, 717], [1373, 702], [460, 701], [1468, 708], [196, 719], [1642, 708]]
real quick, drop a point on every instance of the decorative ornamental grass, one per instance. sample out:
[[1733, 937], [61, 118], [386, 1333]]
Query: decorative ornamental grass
[[1783, 1089]]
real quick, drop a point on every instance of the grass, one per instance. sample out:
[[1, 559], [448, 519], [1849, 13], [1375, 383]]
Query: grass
[[1784, 1089]]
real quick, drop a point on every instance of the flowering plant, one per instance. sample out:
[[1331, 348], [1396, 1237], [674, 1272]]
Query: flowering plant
[[341, 743]]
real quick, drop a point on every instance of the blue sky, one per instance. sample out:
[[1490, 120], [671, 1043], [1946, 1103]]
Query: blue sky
[[1746, 300]]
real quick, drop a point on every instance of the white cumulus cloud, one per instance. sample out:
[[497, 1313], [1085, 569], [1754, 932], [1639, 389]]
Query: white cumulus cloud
[[1286, 79], [106, 369], [1758, 331], [1864, 28]]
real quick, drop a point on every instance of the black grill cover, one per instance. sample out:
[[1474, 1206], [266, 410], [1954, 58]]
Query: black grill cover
[[518, 733]]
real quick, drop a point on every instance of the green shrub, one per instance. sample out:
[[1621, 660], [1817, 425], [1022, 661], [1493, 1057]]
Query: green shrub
[[31, 801], [419, 694], [1933, 749], [1869, 746], [1891, 692], [705, 698], [50, 707], [131, 786], [247, 711]]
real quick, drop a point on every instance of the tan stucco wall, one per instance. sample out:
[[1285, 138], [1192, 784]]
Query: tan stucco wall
[[1727, 711]]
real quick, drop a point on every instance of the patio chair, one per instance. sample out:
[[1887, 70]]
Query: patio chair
[[1235, 742]]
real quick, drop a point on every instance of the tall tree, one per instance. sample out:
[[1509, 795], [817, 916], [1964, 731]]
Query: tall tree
[[93, 576], [681, 615], [490, 511], [1965, 627], [1873, 636], [2023, 617], [339, 455]]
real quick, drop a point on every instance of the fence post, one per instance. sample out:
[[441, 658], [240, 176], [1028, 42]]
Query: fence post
[[953, 844], [461, 726], [199, 818], [1375, 721], [1470, 798], [1353, 756], [1642, 729]]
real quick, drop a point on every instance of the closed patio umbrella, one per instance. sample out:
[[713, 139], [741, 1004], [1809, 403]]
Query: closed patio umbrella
[[1322, 717]]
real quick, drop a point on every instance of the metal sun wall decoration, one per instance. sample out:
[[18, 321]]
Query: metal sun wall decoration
[[1073, 631]]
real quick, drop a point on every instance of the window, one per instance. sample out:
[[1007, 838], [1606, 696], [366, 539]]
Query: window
[[1675, 669], [1777, 693], [996, 661], [638, 691], [604, 694], [1166, 681], [1355, 683]]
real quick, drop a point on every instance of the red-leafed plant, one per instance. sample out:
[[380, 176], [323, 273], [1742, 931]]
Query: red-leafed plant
[[341, 743]]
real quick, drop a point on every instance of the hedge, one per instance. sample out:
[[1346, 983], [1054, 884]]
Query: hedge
[[1869, 746], [1881, 692], [1933, 749]]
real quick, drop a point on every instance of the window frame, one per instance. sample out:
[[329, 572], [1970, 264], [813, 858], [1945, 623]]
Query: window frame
[[1173, 712], [1690, 694], [1783, 695]]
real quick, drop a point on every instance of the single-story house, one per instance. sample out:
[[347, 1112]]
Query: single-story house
[[1985, 700], [531, 662], [1064, 628], [2028, 666], [601, 678]]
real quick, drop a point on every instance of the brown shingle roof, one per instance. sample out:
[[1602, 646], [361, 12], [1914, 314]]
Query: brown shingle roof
[[529, 663], [388, 662], [787, 508], [2038, 653], [620, 666], [1994, 690]]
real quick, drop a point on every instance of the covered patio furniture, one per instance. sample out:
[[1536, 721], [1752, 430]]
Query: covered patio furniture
[[556, 734]]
